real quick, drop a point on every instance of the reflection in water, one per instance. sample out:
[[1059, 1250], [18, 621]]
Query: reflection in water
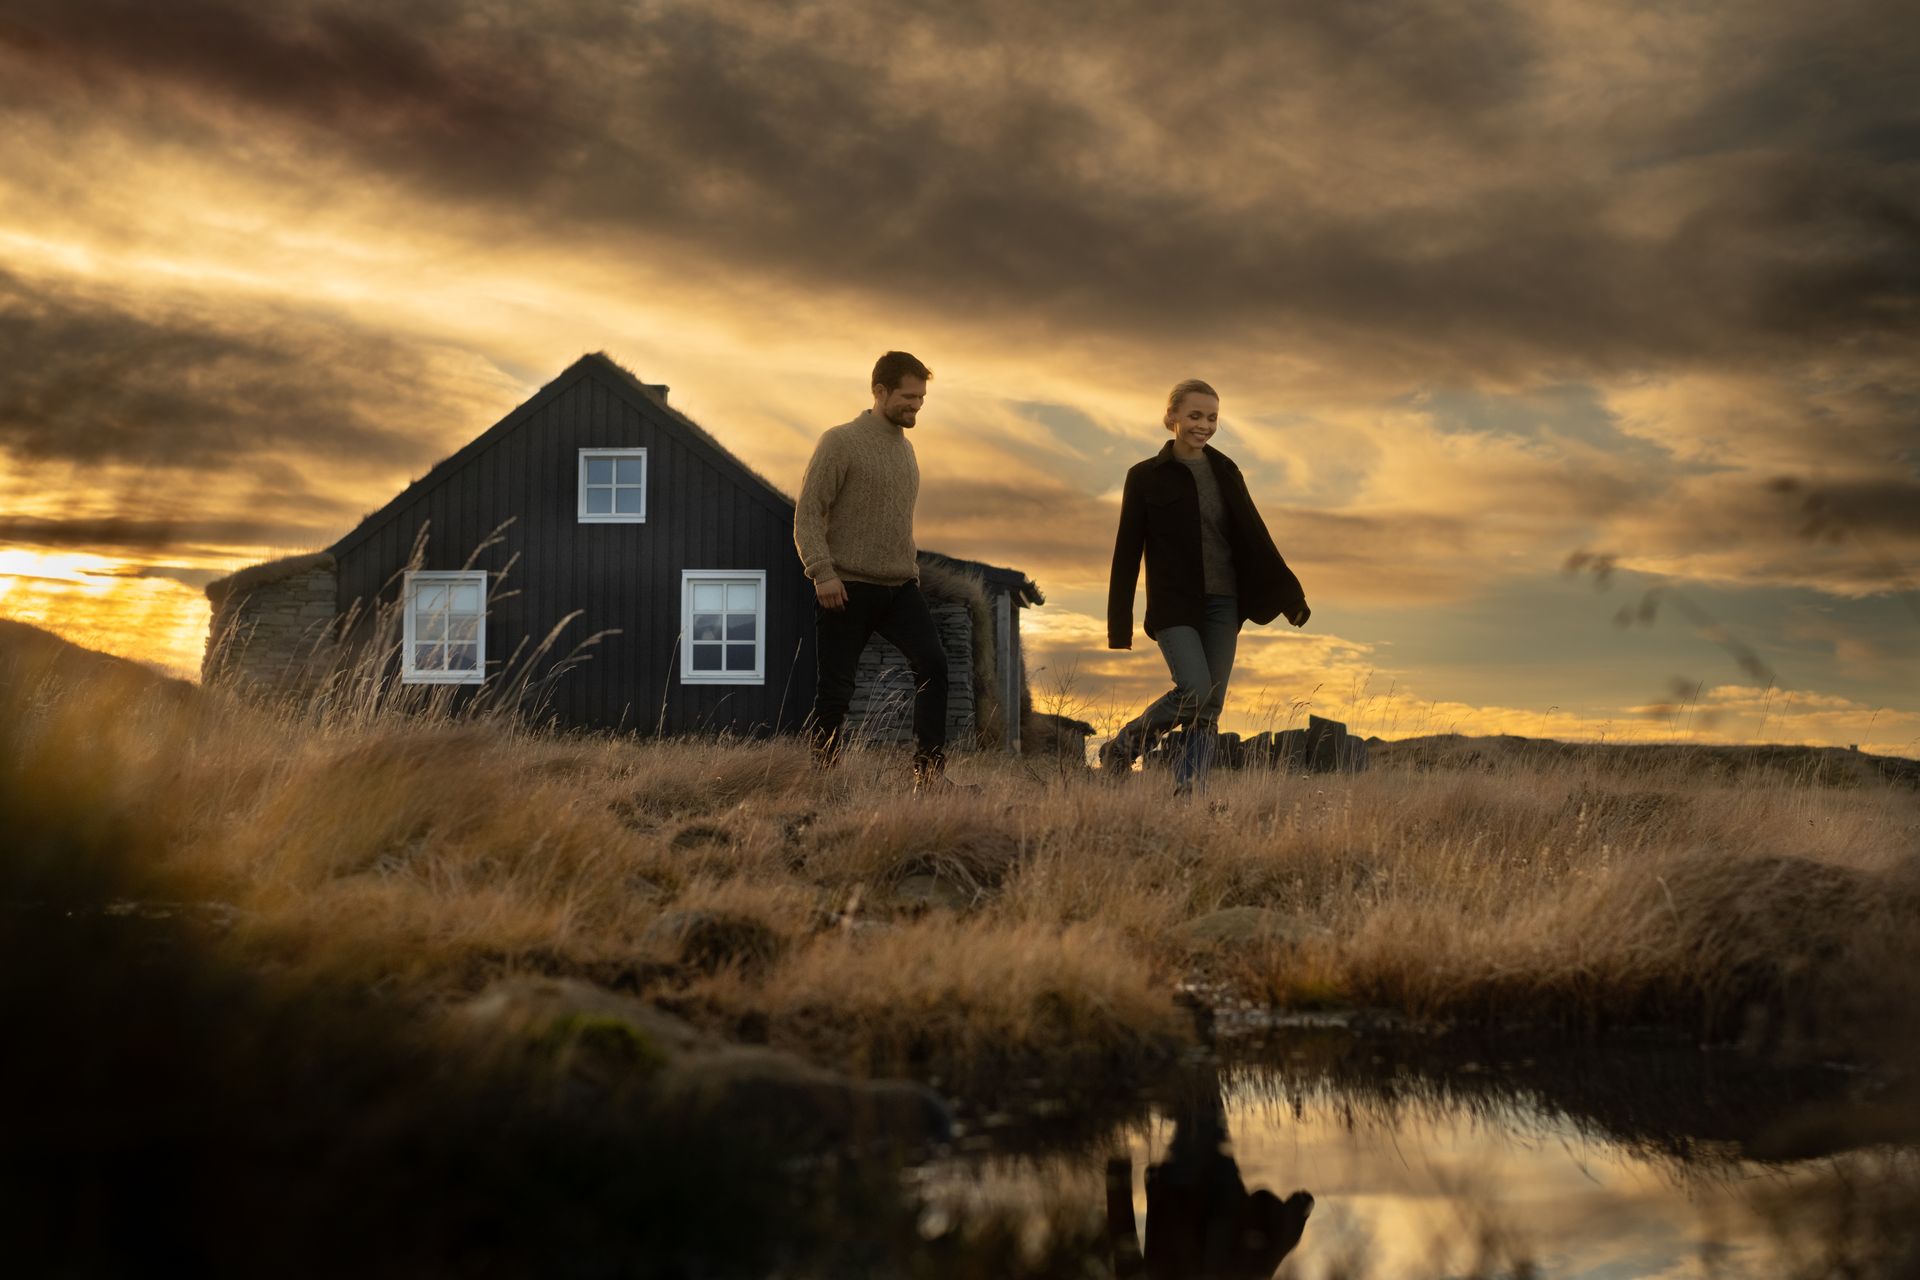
[[1466, 1171], [1202, 1224]]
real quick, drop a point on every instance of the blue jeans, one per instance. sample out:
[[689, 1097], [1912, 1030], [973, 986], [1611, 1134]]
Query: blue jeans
[[1201, 660]]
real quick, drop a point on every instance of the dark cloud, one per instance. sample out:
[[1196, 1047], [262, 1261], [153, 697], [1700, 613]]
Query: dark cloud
[[1854, 537], [1387, 184], [393, 83], [185, 574], [1832, 79], [133, 534], [1888, 506], [90, 378]]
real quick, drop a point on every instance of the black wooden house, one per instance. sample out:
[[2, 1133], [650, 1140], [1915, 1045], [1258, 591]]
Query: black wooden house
[[593, 509]]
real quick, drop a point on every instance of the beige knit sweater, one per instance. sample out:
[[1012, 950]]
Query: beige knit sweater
[[854, 518]]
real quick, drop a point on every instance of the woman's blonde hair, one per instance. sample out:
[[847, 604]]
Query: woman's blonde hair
[[1181, 390]]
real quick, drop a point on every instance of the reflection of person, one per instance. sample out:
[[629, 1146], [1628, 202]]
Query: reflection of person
[[853, 528], [1211, 565], [1201, 1222]]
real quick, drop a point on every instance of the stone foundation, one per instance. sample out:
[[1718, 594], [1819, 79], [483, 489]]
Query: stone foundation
[[882, 708]]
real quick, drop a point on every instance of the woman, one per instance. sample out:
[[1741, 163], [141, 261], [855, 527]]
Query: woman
[[1211, 565]]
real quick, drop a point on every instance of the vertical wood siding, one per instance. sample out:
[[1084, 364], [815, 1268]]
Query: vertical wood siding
[[704, 511]]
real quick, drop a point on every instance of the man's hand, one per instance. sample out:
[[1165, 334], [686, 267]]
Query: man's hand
[[1299, 614], [832, 593]]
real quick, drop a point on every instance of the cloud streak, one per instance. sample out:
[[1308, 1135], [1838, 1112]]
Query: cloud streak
[[92, 378]]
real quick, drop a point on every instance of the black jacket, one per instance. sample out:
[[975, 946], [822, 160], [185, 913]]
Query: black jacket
[[1160, 514]]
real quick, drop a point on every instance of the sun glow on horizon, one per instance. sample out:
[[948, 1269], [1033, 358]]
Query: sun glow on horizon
[[102, 603]]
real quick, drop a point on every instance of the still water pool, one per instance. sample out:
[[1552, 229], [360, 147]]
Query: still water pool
[[1535, 1169]]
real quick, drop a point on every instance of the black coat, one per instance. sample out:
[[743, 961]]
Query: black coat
[[1160, 514]]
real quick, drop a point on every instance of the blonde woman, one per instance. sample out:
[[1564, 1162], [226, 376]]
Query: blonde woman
[[1211, 565]]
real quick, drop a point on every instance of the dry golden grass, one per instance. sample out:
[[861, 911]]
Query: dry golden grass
[[1034, 921]]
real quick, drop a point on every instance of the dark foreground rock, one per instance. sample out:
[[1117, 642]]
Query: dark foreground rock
[[601, 1041]]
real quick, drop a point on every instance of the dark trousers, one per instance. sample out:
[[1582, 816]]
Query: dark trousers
[[898, 615]]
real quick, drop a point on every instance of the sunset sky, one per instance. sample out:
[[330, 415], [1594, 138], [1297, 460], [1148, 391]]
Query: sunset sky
[[1482, 285]]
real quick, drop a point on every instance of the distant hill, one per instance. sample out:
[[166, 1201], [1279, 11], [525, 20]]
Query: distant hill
[[1826, 765], [30, 652]]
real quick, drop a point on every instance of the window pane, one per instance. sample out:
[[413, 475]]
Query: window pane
[[709, 597], [463, 630], [599, 502], [706, 657], [706, 626], [429, 598], [465, 598], [743, 595], [629, 502], [599, 470], [742, 626], [630, 470], [463, 657], [428, 657], [740, 657]]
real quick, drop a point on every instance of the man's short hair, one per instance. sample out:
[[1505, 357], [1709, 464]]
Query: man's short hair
[[895, 365]]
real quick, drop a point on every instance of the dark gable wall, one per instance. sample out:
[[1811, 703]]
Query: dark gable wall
[[704, 511]]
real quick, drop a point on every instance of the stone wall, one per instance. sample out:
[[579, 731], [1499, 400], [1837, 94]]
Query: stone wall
[[882, 709], [272, 629]]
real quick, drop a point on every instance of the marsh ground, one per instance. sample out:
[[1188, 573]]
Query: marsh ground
[[1049, 936]]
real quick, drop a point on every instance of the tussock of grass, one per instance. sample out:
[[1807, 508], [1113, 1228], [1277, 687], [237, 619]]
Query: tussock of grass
[[424, 857], [957, 998]]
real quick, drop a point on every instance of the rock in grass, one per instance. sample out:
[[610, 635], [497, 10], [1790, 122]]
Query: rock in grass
[[958, 874], [702, 835], [925, 889], [1242, 926], [536, 1007], [712, 940], [600, 1042]]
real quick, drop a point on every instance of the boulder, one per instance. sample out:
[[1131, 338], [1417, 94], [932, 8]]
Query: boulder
[[600, 1041], [1230, 753], [1323, 746], [925, 889], [712, 940], [535, 1007]]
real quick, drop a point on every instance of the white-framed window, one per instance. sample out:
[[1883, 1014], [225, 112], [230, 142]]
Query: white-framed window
[[723, 626], [613, 486], [445, 632]]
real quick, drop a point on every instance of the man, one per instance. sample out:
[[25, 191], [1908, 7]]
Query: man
[[853, 527]]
